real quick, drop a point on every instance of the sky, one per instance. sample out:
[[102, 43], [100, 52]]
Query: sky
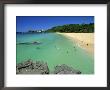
[[26, 23]]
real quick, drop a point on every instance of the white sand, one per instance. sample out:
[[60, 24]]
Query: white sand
[[84, 40]]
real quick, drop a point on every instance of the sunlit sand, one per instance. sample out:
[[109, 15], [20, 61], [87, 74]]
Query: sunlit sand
[[84, 40]]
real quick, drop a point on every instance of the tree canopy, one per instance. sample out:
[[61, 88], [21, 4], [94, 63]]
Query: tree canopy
[[76, 28]]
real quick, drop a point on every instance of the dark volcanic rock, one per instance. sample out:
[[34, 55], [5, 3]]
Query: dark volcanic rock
[[29, 67], [64, 69]]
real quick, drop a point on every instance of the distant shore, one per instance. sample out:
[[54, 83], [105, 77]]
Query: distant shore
[[84, 40]]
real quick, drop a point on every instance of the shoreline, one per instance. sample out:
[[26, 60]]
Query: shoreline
[[83, 40]]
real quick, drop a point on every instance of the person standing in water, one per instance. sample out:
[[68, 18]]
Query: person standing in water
[[74, 48]]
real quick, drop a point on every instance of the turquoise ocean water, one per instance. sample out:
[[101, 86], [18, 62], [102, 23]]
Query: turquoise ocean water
[[54, 49]]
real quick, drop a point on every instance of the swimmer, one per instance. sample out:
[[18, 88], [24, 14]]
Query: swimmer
[[37, 48], [67, 51], [74, 48]]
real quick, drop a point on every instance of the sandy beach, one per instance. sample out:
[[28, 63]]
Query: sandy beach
[[84, 40]]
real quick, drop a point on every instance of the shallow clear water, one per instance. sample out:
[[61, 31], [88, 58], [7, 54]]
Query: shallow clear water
[[54, 49]]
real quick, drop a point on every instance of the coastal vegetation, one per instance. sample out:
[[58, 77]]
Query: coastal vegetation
[[73, 28], [67, 28]]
